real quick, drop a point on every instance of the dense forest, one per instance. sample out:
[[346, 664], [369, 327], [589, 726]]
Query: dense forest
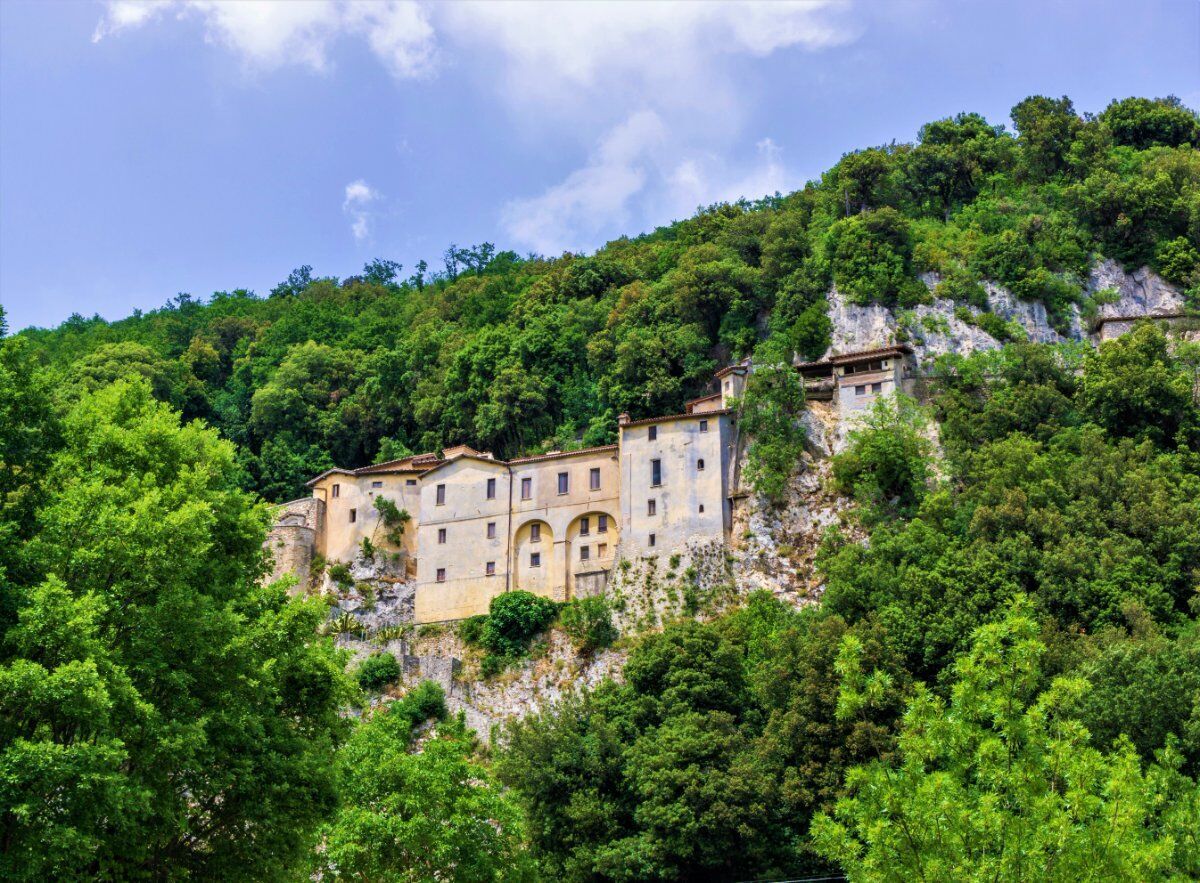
[[1001, 682]]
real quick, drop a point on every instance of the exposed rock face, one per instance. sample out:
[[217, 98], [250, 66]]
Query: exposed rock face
[[934, 329]]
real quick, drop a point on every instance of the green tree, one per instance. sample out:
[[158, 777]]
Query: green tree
[[1143, 123], [886, 465], [1001, 784], [770, 413]]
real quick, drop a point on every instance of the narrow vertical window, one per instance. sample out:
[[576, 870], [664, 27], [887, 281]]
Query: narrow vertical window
[[491, 530], [585, 552], [594, 479], [337, 491], [441, 536], [585, 526], [441, 575], [651, 507], [653, 433], [602, 524], [491, 488], [535, 533], [653, 539], [441, 495], [563, 482], [704, 426], [353, 515], [526, 488], [701, 508], [700, 465], [655, 473], [601, 550]]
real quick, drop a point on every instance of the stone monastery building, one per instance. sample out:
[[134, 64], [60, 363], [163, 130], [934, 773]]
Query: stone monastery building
[[556, 523]]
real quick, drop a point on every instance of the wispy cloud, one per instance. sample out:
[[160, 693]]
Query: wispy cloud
[[356, 205]]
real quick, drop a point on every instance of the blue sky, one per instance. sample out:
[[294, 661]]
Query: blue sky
[[191, 145]]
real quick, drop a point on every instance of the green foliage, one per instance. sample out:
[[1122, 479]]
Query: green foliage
[[886, 466], [339, 572], [770, 412], [1143, 123], [393, 517], [1000, 782], [588, 622], [514, 619], [162, 715], [471, 629], [377, 671], [871, 256]]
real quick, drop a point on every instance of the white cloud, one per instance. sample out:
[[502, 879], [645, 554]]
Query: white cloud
[[273, 33], [356, 205], [637, 171]]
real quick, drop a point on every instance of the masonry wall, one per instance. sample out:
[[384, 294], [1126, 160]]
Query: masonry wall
[[292, 541], [851, 402], [690, 503], [342, 537]]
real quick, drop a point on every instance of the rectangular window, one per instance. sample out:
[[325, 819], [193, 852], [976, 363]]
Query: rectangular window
[[410, 482], [704, 426], [653, 539], [701, 508], [535, 533], [651, 507], [585, 526], [441, 575], [594, 479], [337, 491], [526, 488], [441, 495], [490, 568], [860, 390], [700, 465], [441, 536], [601, 550], [535, 559], [353, 515], [377, 484], [563, 482], [653, 433], [876, 387], [602, 524], [491, 488], [491, 530], [655, 473], [585, 553]]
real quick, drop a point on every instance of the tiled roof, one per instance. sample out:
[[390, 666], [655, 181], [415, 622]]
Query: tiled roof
[[554, 455], [698, 415], [704, 398], [898, 349]]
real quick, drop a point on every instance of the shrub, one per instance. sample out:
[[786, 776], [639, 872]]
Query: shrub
[[770, 415], [377, 671], [887, 461], [588, 622], [340, 574], [394, 519], [470, 630], [514, 619], [367, 549]]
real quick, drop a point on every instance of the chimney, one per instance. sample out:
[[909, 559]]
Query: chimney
[[623, 420]]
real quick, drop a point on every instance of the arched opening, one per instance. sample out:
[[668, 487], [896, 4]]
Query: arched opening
[[534, 567], [591, 548]]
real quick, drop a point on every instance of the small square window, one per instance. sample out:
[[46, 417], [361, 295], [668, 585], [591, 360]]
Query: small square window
[[535, 559], [876, 387], [602, 524], [353, 515], [601, 550], [441, 574], [585, 553], [704, 426], [441, 495], [377, 484], [441, 536], [490, 568], [337, 491], [653, 540], [563, 482], [700, 465], [491, 530], [410, 482], [860, 390], [651, 507], [535, 533], [526, 488], [594, 479], [491, 488], [653, 433], [585, 526]]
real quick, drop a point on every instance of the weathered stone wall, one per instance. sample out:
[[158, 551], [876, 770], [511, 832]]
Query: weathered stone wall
[[292, 541]]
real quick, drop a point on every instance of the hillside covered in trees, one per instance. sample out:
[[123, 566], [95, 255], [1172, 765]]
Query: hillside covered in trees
[[1001, 679]]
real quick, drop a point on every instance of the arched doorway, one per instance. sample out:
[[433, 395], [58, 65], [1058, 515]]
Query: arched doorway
[[534, 567]]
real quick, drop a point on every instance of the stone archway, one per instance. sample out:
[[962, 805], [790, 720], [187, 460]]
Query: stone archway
[[534, 566]]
